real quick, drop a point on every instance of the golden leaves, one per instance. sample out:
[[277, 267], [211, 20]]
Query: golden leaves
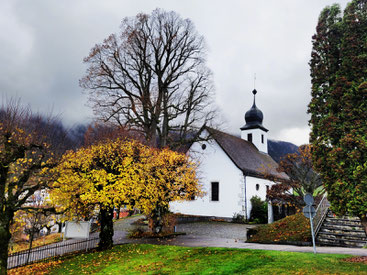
[[123, 172]]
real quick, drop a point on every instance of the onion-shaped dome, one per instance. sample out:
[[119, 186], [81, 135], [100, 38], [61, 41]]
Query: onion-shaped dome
[[254, 117]]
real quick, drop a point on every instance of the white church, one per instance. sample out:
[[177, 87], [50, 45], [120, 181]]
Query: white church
[[232, 170]]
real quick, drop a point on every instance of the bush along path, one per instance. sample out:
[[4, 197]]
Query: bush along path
[[294, 229]]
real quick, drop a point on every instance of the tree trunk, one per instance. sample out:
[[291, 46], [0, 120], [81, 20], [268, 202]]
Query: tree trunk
[[364, 223], [31, 237], [4, 243], [155, 224], [156, 221], [106, 234], [59, 229]]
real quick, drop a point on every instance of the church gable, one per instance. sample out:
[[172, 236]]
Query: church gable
[[246, 156], [211, 155]]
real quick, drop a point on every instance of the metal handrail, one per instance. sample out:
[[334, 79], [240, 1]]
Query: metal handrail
[[321, 212]]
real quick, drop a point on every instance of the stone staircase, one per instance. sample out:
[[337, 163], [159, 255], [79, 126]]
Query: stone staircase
[[341, 231]]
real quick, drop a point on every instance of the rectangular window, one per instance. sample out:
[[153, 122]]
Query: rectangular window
[[249, 137], [215, 191], [262, 139]]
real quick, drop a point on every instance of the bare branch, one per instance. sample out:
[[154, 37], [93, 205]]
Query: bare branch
[[152, 75]]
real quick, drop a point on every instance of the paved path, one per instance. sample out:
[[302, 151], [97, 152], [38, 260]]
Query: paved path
[[200, 241], [212, 234], [126, 224], [200, 234]]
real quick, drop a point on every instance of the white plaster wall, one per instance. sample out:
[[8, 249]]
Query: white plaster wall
[[215, 165], [251, 190], [256, 138]]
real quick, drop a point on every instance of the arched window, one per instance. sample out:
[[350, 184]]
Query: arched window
[[257, 187]]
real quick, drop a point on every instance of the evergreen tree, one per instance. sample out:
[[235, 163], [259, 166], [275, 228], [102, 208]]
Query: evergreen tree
[[339, 106]]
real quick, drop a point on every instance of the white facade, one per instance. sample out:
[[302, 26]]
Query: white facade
[[259, 138], [235, 189], [256, 187], [226, 163]]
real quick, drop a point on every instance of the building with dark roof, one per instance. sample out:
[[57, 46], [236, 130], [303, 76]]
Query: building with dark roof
[[232, 169]]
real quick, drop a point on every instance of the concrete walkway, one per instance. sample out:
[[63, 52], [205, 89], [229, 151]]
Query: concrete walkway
[[193, 239], [201, 241]]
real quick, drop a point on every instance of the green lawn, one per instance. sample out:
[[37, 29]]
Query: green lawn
[[156, 259]]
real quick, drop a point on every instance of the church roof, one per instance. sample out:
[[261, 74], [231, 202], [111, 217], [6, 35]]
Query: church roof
[[246, 156]]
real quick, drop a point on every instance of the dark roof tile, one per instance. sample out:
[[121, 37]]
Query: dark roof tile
[[246, 156]]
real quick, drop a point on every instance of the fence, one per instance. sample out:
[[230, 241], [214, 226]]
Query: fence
[[50, 251], [320, 214]]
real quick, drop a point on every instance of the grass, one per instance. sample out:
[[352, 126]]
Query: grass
[[21, 246], [160, 259], [291, 229]]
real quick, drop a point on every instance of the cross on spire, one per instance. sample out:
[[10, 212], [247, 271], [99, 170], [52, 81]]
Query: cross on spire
[[254, 81]]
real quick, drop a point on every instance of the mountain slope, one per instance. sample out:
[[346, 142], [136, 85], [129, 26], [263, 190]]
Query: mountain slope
[[278, 149]]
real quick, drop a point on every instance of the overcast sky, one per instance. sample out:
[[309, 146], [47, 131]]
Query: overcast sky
[[42, 44]]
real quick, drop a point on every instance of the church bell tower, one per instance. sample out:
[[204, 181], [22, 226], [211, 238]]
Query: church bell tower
[[253, 131]]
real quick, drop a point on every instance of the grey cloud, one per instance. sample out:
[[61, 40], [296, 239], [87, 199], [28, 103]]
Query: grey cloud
[[43, 42]]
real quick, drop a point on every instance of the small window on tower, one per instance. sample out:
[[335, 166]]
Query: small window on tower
[[249, 137], [262, 139], [257, 187]]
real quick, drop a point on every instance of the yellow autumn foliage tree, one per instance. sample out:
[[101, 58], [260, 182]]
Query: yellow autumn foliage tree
[[118, 172], [168, 176]]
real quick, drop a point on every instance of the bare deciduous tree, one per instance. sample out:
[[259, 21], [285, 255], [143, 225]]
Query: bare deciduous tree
[[103, 132], [152, 76]]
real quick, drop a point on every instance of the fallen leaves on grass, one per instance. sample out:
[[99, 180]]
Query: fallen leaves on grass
[[361, 259], [37, 268], [22, 246]]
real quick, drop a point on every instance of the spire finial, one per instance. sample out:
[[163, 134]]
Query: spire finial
[[254, 93]]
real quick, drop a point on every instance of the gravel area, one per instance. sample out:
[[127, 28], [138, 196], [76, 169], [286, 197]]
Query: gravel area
[[126, 224], [215, 229], [209, 229]]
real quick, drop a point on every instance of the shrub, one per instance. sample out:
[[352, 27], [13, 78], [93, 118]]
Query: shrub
[[137, 232], [238, 218], [259, 210], [291, 229]]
